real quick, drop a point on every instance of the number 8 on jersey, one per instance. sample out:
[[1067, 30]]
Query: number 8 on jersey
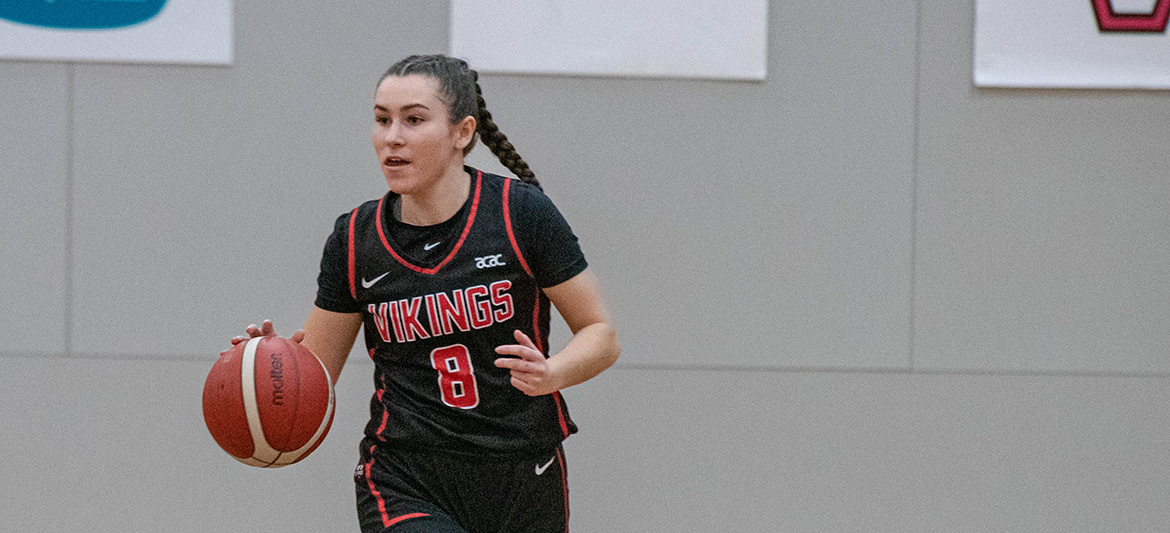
[[456, 376]]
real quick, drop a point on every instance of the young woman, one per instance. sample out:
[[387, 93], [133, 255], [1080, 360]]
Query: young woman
[[452, 273]]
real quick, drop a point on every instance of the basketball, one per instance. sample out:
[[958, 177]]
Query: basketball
[[268, 402]]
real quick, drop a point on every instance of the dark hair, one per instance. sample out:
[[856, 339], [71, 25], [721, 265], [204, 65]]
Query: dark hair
[[459, 86]]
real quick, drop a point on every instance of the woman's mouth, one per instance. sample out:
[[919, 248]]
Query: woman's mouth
[[395, 162]]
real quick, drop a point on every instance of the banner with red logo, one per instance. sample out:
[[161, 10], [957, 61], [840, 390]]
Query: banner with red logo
[[1067, 43]]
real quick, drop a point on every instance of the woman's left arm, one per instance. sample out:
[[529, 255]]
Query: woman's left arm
[[594, 346]]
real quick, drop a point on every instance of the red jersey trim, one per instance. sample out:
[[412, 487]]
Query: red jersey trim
[[560, 401], [536, 324], [385, 409], [537, 337], [458, 245], [523, 263], [508, 226], [352, 259], [398, 519]]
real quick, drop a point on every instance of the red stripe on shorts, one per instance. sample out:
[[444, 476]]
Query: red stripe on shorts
[[373, 490], [564, 485]]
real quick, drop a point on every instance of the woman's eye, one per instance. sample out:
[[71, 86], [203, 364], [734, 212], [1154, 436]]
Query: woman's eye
[[381, 120], [415, 120]]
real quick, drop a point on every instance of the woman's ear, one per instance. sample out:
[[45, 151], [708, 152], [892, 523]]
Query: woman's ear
[[466, 132]]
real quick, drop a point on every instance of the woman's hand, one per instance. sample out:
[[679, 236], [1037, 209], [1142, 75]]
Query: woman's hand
[[531, 372], [265, 330]]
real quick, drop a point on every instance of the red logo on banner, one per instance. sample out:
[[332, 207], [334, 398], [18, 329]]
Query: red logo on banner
[[1109, 21]]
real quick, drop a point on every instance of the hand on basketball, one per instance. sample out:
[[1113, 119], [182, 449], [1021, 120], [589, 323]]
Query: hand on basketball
[[264, 330], [531, 371]]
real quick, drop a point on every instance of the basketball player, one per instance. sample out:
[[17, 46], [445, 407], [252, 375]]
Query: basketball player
[[451, 273]]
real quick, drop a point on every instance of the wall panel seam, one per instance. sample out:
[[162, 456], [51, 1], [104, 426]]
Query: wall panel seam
[[894, 371], [914, 184], [776, 369], [70, 170]]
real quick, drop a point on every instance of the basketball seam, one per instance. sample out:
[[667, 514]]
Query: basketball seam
[[261, 450]]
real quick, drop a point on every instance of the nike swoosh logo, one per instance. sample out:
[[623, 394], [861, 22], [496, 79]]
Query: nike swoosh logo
[[540, 469], [368, 284], [428, 247]]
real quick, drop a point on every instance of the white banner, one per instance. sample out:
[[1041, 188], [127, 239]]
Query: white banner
[[657, 38], [1067, 43], [154, 31]]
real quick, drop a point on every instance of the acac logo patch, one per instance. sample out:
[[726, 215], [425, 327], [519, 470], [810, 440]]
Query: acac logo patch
[[80, 14], [489, 261]]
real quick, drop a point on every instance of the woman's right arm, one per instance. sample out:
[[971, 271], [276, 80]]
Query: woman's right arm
[[327, 334], [330, 336]]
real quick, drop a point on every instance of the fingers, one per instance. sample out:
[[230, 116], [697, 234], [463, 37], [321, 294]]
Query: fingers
[[524, 386], [526, 360], [530, 370], [519, 365], [524, 340], [265, 329], [525, 350]]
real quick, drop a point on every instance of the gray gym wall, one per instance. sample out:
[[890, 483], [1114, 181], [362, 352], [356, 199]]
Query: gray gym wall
[[860, 296]]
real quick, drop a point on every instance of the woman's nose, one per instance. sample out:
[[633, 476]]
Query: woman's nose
[[394, 134]]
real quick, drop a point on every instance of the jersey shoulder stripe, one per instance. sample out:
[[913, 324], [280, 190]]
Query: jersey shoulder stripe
[[511, 234], [352, 259]]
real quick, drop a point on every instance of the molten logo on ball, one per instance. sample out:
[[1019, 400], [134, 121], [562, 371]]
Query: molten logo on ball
[[268, 402], [277, 376]]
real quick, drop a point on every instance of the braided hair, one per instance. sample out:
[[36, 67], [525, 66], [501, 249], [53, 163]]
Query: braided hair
[[459, 86]]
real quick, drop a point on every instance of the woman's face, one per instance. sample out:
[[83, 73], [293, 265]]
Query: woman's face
[[413, 135]]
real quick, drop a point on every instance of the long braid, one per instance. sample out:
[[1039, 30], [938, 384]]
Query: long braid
[[498, 143]]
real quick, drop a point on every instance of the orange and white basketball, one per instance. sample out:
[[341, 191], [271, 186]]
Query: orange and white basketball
[[268, 402]]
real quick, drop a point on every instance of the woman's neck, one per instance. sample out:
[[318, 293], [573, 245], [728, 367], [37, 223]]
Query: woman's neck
[[438, 203]]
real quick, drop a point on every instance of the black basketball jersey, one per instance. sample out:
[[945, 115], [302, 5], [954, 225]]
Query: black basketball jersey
[[432, 329]]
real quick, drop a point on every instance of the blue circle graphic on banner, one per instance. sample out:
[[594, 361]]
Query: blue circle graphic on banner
[[80, 14]]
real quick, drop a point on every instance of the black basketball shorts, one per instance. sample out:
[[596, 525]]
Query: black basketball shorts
[[405, 491]]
